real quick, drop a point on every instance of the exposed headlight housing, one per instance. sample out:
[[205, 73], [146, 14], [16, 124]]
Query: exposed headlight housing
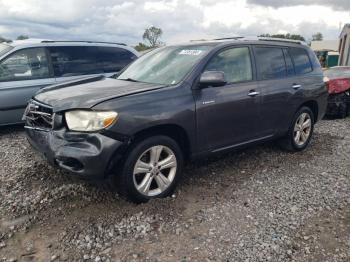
[[89, 121]]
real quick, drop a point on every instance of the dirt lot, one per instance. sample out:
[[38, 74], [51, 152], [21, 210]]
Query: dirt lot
[[260, 204]]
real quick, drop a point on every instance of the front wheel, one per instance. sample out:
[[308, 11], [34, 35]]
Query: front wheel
[[300, 132], [152, 169]]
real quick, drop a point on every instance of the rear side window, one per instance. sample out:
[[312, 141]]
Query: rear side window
[[270, 62], [113, 59], [85, 60], [26, 64], [301, 60], [234, 62]]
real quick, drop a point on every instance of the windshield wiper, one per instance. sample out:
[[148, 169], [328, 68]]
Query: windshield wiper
[[128, 79]]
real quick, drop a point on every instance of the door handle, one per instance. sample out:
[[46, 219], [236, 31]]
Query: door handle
[[296, 86], [253, 93]]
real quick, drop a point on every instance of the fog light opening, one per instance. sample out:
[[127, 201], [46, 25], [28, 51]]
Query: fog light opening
[[71, 163]]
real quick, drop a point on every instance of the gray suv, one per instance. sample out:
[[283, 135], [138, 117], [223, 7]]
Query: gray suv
[[26, 66], [175, 104]]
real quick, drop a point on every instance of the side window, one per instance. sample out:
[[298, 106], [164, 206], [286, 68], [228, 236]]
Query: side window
[[234, 62], [289, 63], [270, 62], [113, 59], [85, 60], [301, 61], [73, 60], [26, 64]]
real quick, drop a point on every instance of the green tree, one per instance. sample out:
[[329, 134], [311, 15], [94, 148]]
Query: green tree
[[317, 37], [141, 47], [152, 35], [3, 39], [22, 37]]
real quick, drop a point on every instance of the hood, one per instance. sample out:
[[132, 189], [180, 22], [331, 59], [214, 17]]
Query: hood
[[88, 92]]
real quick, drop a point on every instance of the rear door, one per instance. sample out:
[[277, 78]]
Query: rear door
[[22, 74], [74, 62], [278, 84]]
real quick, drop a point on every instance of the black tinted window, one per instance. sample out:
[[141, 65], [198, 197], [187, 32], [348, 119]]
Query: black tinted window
[[84, 60], [270, 62], [235, 63], [113, 59], [26, 64], [301, 60], [289, 63]]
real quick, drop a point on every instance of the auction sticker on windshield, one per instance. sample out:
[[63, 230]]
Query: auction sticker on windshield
[[190, 52]]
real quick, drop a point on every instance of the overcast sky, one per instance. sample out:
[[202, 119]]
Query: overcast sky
[[181, 20]]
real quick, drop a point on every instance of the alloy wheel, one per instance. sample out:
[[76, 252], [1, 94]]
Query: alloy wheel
[[155, 170], [302, 129]]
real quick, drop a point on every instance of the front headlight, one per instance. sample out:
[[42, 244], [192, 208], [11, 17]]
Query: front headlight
[[88, 121]]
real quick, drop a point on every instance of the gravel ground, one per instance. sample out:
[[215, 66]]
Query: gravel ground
[[259, 204]]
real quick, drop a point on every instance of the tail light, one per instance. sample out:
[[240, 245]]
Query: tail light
[[327, 85]]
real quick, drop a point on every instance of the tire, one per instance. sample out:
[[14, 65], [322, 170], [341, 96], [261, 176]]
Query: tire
[[291, 142], [161, 180]]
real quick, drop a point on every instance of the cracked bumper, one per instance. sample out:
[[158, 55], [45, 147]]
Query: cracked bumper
[[86, 155]]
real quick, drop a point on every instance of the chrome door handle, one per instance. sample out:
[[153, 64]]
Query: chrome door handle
[[296, 86], [253, 93]]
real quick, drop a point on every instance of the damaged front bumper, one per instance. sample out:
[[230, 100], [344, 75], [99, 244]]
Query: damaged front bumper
[[87, 155]]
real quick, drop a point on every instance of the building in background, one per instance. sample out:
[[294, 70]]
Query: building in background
[[344, 46], [326, 51]]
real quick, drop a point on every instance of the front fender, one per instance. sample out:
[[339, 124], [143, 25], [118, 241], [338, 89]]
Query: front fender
[[171, 105]]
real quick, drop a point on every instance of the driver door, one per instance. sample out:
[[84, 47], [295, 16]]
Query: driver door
[[22, 74], [229, 115]]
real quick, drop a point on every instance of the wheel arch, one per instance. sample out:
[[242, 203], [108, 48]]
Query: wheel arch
[[312, 104], [173, 131]]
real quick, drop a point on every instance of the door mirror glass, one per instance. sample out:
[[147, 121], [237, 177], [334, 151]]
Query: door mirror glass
[[212, 78]]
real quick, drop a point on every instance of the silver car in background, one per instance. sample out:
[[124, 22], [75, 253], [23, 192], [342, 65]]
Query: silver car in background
[[29, 65]]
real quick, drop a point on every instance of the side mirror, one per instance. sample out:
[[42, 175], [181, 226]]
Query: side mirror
[[212, 78]]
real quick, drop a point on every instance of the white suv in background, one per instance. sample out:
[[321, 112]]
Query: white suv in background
[[28, 65]]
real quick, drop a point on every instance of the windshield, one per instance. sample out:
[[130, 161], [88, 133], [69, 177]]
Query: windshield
[[334, 73], [168, 65], [4, 49]]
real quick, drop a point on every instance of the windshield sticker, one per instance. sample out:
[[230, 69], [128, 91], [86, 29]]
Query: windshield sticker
[[190, 52]]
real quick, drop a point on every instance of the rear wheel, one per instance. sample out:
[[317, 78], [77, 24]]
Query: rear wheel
[[151, 170], [300, 132]]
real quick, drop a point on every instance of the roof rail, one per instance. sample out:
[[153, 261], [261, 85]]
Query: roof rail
[[281, 40], [230, 38], [254, 38], [92, 42], [218, 39]]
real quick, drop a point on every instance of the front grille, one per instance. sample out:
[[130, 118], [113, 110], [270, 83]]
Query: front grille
[[38, 116]]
